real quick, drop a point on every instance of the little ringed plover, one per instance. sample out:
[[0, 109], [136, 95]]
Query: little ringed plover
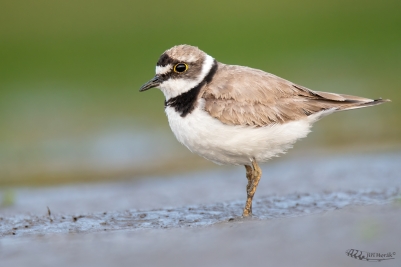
[[239, 115]]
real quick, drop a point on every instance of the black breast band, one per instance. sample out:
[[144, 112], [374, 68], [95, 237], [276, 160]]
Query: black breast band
[[185, 102]]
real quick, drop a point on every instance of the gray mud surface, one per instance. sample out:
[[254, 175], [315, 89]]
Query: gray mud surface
[[271, 207], [307, 212]]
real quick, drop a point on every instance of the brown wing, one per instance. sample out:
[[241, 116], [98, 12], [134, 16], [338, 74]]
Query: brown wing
[[244, 96]]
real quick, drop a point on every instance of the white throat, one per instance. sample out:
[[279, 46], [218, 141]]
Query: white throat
[[174, 87]]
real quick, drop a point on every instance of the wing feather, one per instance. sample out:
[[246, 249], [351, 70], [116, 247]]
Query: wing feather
[[244, 96]]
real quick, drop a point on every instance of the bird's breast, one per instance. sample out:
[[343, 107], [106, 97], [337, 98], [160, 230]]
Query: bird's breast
[[233, 144]]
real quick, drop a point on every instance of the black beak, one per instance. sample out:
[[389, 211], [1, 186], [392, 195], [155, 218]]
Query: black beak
[[150, 84]]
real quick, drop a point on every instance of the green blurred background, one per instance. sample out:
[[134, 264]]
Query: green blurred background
[[70, 71]]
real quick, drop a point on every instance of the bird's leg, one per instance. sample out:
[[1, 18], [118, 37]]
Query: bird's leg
[[249, 176], [253, 174], [248, 204]]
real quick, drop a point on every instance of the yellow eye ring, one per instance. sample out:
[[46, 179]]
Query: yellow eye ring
[[180, 67]]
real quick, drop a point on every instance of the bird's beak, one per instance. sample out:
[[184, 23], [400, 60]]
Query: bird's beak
[[154, 82]]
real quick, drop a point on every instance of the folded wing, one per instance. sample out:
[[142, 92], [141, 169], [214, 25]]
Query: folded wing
[[244, 96]]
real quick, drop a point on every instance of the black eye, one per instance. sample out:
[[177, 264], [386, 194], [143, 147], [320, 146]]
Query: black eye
[[180, 67]]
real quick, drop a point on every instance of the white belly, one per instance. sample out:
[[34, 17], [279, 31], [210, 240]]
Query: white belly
[[227, 144]]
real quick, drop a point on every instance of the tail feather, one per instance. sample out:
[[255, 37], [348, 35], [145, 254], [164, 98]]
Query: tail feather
[[363, 104], [347, 102]]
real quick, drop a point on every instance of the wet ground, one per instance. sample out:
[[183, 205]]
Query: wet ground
[[307, 212]]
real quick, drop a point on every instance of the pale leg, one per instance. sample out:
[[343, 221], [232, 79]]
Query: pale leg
[[253, 175]]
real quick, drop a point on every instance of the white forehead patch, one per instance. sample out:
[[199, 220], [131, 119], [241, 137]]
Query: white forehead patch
[[163, 70]]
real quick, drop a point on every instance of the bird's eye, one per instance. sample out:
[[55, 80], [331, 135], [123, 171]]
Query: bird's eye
[[180, 67]]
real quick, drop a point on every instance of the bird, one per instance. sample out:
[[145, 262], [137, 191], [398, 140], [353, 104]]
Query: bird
[[238, 115]]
